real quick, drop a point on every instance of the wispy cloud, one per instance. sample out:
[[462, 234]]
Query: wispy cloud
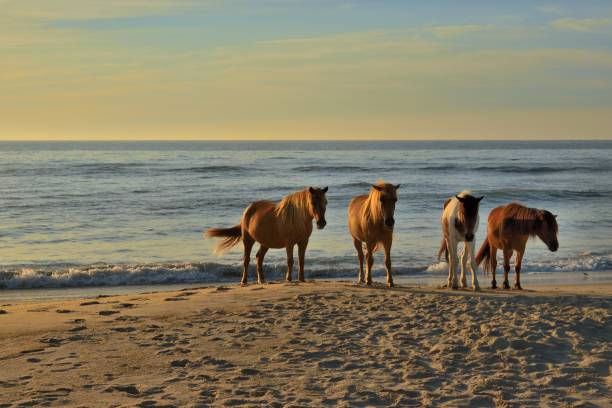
[[457, 30], [582, 24], [552, 9]]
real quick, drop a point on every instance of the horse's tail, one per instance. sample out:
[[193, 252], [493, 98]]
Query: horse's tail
[[484, 254], [443, 249], [232, 236]]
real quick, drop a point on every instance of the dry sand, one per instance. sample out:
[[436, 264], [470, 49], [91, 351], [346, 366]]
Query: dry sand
[[313, 344]]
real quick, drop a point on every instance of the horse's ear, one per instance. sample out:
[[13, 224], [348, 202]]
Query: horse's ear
[[312, 190], [375, 187], [397, 186], [324, 189], [555, 215], [479, 199], [461, 199]]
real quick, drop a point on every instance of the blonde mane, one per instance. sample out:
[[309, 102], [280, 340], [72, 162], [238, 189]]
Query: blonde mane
[[372, 210], [295, 209]]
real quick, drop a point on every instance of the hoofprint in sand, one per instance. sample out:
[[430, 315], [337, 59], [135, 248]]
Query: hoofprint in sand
[[310, 344]]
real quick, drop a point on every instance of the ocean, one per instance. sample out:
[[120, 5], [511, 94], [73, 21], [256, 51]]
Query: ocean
[[100, 214]]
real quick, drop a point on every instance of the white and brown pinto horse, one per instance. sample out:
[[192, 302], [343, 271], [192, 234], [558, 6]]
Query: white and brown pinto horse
[[459, 224], [282, 225], [370, 221], [509, 228]]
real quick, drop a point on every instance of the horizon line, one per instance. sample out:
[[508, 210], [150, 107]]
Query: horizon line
[[300, 140]]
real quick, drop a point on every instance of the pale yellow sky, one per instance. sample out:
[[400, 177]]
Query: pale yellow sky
[[216, 70]]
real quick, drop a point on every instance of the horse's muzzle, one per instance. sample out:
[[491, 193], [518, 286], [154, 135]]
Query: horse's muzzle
[[390, 222], [469, 237], [553, 247], [321, 224]]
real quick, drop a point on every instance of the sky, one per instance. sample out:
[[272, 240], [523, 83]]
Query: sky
[[292, 69]]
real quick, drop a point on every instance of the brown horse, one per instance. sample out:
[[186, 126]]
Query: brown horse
[[370, 220], [281, 225], [509, 227]]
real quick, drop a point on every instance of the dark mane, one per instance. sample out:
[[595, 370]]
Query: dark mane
[[526, 221]]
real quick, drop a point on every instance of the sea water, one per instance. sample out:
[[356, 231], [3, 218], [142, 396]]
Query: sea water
[[85, 214]]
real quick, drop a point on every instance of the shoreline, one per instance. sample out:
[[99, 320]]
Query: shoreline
[[529, 279], [315, 343]]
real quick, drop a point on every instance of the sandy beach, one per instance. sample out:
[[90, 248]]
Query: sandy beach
[[313, 344]]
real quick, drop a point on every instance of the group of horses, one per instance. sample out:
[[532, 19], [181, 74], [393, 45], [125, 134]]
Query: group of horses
[[371, 222]]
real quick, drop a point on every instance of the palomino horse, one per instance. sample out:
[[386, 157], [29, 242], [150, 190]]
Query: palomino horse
[[281, 225], [459, 224], [508, 229], [370, 220]]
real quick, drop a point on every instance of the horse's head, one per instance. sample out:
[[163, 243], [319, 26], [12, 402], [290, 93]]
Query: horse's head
[[547, 229], [318, 203], [470, 214], [387, 198]]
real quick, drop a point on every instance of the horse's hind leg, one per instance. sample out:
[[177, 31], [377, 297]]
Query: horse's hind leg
[[493, 261], [507, 256], [464, 259], [289, 262], [359, 247], [248, 245], [260, 257], [452, 267]]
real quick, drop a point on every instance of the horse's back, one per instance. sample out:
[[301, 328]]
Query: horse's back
[[500, 218]]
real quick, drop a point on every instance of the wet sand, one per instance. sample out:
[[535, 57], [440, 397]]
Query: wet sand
[[313, 344]]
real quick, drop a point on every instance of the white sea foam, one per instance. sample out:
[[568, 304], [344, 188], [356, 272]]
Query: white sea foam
[[171, 273]]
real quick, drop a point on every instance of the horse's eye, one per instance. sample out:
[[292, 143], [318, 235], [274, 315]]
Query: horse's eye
[[382, 200]]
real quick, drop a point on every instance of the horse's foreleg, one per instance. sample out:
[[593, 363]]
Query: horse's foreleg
[[289, 249], [260, 257], [473, 267], [464, 259], [359, 247], [493, 263], [517, 269], [453, 261], [248, 245], [507, 256], [301, 255], [369, 263], [387, 247]]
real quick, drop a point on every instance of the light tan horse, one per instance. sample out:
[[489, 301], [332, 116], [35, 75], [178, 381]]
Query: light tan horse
[[281, 225], [509, 227], [370, 220]]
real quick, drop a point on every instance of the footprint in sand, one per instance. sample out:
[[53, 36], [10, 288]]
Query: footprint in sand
[[90, 303], [128, 329], [107, 312]]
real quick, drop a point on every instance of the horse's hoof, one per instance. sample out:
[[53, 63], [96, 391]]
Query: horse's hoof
[[493, 285], [506, 285], [518, 287], [243, 284], [476, 288], [390, 284]]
